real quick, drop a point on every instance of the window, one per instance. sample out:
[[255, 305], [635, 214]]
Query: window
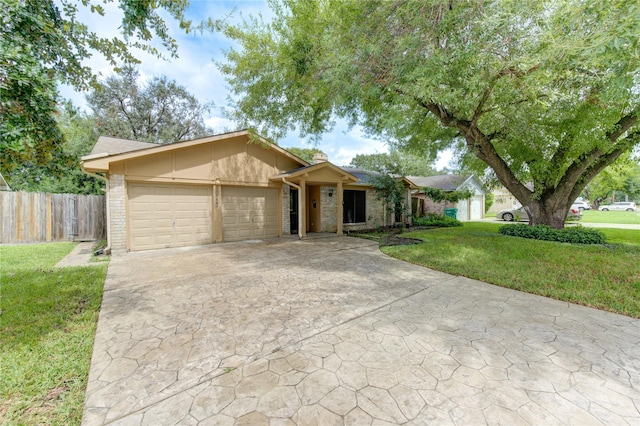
[[354, 210]]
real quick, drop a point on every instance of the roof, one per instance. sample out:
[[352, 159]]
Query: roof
[[364, 176], [112, 146], [318, 166], [444, 182]]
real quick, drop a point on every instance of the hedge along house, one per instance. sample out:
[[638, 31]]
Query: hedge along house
[[223, 188], [469, 209]]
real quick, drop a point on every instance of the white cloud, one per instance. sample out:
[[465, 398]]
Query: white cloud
[[220, 124], [444, 159]]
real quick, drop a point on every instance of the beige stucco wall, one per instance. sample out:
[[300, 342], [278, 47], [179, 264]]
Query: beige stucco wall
[[219, 163], [228, 162], [503, 200]]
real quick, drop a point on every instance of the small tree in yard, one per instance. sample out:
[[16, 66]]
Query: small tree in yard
[[392, 191], [543, 92]]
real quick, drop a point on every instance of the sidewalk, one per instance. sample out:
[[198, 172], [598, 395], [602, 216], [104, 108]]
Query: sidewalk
[[609, 225], [585, 224], [80, 256]]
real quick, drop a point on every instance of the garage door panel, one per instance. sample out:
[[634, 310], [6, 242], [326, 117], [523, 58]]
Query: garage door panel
[[229, 220], [272, 219], [168, 216], [249, 213]]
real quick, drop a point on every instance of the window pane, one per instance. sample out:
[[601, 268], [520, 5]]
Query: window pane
[[360, 206], [354, 210]]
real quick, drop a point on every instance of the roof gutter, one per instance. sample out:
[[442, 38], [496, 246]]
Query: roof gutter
[[299, 194], [94, 156]]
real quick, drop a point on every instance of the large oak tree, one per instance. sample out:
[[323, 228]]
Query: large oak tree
[[158, 111], [396, 163], [543, 92]]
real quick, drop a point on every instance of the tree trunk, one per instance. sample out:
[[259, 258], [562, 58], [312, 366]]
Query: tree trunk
[[553, 215]]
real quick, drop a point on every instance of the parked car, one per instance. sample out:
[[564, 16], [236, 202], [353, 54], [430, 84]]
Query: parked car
[[581, 205], [620, 206], [521, 214]]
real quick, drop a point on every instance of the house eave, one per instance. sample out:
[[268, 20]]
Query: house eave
[[307, 172]]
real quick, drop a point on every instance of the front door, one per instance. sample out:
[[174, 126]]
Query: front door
[[293, 210], [314, 215]]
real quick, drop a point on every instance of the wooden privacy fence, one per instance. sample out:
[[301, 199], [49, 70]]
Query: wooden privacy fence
[[30, 217]]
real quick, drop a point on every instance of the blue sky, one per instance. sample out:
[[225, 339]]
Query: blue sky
[[196, 70]]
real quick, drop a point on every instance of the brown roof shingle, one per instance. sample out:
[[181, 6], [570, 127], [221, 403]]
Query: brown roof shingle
[[444, 182], [112, 146]]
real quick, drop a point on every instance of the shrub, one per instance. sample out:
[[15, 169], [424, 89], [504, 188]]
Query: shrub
[[432, 219], [577, 235]]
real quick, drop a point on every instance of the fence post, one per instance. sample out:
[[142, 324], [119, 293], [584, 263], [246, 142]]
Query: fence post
[[48, 218], [19, 216]]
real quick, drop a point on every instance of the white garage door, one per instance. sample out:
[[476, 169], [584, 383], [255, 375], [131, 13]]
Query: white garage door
[[476, 207], [168, 216], [463, 210], [249, 213]]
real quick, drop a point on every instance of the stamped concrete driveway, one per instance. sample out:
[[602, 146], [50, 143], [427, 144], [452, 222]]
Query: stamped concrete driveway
[[332, 331]]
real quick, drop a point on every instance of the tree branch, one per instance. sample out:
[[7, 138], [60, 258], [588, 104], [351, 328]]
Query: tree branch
[[129, 119], [520, 101], [624, 124], [480, 144], [479, 111], [597, 155]]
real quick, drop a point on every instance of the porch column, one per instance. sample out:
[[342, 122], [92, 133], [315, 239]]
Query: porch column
[[302, 209], [340, 209]]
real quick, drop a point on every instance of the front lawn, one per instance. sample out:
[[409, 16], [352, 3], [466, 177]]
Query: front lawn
[[605, 277], [596, 216], [48, 323]]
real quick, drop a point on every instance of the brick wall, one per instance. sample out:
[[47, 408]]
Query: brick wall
[[328, 209], [117, 226], [431, 206]]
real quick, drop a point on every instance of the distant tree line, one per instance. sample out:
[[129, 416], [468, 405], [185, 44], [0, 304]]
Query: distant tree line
[[159, 111]]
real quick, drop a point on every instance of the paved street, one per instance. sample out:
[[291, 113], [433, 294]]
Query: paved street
[[331, 331]]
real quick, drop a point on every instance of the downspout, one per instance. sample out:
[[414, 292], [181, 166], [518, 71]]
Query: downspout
[[299, 215], [107, 249]]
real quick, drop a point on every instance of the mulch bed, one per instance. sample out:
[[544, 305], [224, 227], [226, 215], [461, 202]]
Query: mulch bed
[[395, 240]]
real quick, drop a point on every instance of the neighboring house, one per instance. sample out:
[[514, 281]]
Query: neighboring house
[[4, 186], [503, 200], [224, 188], [469, 209]]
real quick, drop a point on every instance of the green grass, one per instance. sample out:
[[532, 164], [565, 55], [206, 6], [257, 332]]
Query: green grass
[[602, 276], [626, 218], [48, 323]]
